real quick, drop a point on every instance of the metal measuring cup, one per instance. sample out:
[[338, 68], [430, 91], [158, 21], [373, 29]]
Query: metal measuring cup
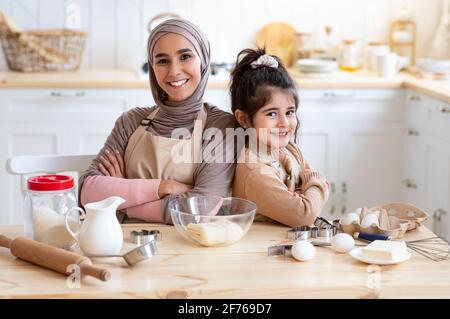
[[135, 255]]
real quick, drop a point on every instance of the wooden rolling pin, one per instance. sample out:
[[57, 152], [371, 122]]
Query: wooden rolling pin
[[51, 257]]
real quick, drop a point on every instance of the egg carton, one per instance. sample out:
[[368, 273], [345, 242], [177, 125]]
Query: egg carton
[[393, 220]]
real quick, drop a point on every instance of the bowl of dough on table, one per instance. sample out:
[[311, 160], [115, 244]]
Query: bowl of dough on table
[[212, 220]]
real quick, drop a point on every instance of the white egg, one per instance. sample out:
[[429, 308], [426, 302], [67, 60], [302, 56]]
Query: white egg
[[375, 212], [358, 211], [342, 243], [350, 218], [303, 250], [369, 220]]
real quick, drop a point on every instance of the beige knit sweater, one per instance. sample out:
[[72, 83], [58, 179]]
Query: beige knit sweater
[[266, 181]]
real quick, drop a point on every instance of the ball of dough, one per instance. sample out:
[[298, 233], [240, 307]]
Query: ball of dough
[[221, 231]]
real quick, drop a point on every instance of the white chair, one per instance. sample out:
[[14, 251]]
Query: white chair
[[27, 166]]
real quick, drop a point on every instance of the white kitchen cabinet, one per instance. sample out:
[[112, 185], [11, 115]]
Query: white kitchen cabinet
[[218, 97], [370, 164], [437, 184], [354, 138], [319, 144], [45, 121], [145, 98], [426, 159], [413, 179]]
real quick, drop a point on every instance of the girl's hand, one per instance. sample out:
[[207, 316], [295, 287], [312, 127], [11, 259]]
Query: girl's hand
[[169, 186], [112, 164], [294, 192]]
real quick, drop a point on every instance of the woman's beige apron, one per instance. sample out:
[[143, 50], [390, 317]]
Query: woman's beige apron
[[150, 156]]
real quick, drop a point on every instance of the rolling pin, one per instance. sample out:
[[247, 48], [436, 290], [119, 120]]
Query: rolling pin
[[50, 257]]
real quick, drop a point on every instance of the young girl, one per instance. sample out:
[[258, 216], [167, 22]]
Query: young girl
[[136, 162], [280, 181]]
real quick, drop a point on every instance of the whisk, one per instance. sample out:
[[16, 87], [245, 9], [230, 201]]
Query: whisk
[[434, 248]]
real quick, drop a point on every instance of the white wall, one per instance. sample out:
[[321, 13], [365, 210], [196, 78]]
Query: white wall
[[117, 28]]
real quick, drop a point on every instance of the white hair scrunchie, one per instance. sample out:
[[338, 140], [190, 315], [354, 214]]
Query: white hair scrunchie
[[265, 60]]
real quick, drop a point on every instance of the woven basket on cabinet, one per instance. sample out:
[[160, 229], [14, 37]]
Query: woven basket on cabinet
[[46, 50]]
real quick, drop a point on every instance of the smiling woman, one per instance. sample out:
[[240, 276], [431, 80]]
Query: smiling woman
[[136, 162]]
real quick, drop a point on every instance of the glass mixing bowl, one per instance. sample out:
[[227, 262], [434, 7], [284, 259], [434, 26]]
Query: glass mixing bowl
[[212, 220]]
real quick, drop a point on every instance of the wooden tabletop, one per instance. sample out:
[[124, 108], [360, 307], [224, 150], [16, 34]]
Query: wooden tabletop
[[243, 270]]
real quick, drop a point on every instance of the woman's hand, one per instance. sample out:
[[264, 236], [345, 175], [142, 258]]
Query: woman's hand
[[112, 164], [169, 187]]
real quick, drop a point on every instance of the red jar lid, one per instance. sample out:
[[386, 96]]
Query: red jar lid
[[50, 183]]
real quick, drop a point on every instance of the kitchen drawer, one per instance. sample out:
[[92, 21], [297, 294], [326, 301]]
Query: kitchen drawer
[[65, 105], [352, 104], [217, 97]]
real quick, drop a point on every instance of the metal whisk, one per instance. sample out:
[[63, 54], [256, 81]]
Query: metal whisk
[[434, 248]]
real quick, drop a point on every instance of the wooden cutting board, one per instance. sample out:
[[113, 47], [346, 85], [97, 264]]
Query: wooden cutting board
[[279, 39]]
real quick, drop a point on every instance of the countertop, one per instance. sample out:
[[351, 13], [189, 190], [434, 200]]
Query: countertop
[[243, 270], [122, 78]]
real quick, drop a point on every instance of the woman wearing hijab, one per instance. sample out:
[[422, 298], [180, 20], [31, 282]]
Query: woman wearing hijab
[[138, 162]]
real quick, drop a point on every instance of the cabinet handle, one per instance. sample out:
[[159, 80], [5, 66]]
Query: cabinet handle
[[435, 223], [344, 201], [341, 95], [445, 109], [437, 216], [413, 132], [332, 191], [60, 94], [414, 98], [409, 183]]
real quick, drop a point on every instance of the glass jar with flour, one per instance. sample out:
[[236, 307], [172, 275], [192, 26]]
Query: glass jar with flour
[[48, 199]]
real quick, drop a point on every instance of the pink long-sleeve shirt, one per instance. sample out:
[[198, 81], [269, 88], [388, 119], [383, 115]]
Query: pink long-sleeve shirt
[[142, 200]]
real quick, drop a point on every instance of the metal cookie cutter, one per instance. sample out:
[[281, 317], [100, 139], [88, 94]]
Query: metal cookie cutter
[[327, 232], [302, 232], [280, 250], [144, 236], [337, 225], [298, 233], [322, 222], [137, 254], [326, 229]]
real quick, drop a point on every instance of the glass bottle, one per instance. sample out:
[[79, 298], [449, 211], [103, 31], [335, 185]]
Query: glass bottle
[[350, 56]]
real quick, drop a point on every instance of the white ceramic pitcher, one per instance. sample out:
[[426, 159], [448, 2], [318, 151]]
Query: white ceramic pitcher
[[100, 232]]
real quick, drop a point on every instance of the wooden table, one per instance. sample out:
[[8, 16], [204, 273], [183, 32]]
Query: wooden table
[[243, 270]]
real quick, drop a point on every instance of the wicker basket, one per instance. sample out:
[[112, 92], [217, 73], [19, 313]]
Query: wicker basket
[[46, 50]]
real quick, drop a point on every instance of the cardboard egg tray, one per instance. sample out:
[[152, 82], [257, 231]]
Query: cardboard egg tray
[[395, 219]]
